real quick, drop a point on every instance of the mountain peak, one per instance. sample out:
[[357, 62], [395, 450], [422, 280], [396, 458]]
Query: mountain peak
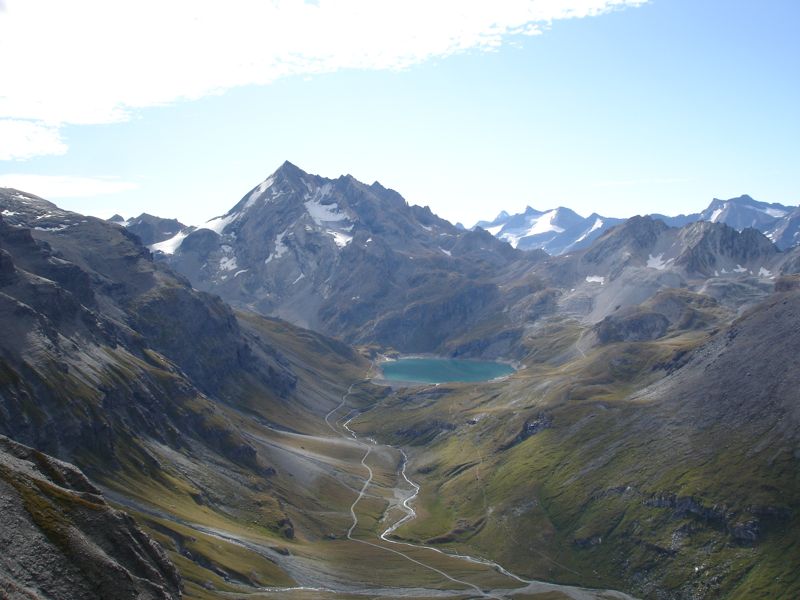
[[289, 170]]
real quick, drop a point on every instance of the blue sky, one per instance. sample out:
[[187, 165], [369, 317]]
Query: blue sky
[[644, 107]]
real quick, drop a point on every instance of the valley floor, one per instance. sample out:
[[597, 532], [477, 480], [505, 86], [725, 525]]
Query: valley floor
[[359, 557]]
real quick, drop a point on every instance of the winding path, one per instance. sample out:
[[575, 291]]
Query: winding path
[[410, 511], [528, 585]]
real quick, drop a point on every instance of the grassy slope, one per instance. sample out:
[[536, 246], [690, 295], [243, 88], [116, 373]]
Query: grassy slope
[[272, 506], [571, 499]]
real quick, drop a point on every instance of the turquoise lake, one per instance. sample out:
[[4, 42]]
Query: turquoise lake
[[443, 370]]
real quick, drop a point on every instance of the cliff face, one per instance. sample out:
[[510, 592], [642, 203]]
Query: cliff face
[[62, 541]]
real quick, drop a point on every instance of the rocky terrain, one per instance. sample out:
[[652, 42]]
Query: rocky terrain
[[148, 228], [61, 539], [350, 260]]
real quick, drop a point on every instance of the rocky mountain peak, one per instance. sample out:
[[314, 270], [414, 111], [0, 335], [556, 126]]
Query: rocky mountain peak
[[634, 236], [709, 247], [149, 228], [332, 254]]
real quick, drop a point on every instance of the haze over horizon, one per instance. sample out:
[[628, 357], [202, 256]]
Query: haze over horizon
[[616, 106]]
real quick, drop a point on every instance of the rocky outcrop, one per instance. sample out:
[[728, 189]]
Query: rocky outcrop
[[150, 229], [744, 527], [632, 326], [62, 541], [422, 433], [531, 427]]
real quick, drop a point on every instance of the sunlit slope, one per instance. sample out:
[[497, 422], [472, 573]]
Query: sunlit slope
[[665, 468]]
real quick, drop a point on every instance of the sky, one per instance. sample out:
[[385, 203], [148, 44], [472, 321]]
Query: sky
[[619, 107]]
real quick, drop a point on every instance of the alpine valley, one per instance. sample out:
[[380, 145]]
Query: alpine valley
[[200, 411]]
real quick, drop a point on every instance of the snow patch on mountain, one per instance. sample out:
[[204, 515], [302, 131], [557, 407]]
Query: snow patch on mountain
[[595, 279], [545, 224], [228, 261], [280, 248], [171, 245], [536, 226], [341, 239], [322, 213], [259, 191], [598, 223], [495, 230], [775, 212], [656, 262], [217, 224], [51, 228]]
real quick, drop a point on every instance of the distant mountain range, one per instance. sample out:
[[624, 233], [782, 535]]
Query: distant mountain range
[[561, 230], [556, 231], [356, 261]]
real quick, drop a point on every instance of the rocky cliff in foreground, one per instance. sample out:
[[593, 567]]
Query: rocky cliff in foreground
[[60, 540]]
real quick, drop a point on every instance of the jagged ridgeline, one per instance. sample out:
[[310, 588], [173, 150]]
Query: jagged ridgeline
[[648, 442], [561, 230]]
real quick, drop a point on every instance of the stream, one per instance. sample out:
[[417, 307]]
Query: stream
[[526, 585]]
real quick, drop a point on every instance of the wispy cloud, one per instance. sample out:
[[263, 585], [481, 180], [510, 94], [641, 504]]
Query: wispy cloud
[[94, 61], [65, 186], [25, 139]]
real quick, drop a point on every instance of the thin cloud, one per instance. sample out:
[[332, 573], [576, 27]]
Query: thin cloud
[[65, 186], [20, 140], [94, 61]]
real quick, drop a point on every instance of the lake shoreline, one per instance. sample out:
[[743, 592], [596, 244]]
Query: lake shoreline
[[413, 370]]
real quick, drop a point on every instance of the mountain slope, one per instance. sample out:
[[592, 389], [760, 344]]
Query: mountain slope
[[666, 467], [174, 405], [62, 541], [347, 259], [98, 335]]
